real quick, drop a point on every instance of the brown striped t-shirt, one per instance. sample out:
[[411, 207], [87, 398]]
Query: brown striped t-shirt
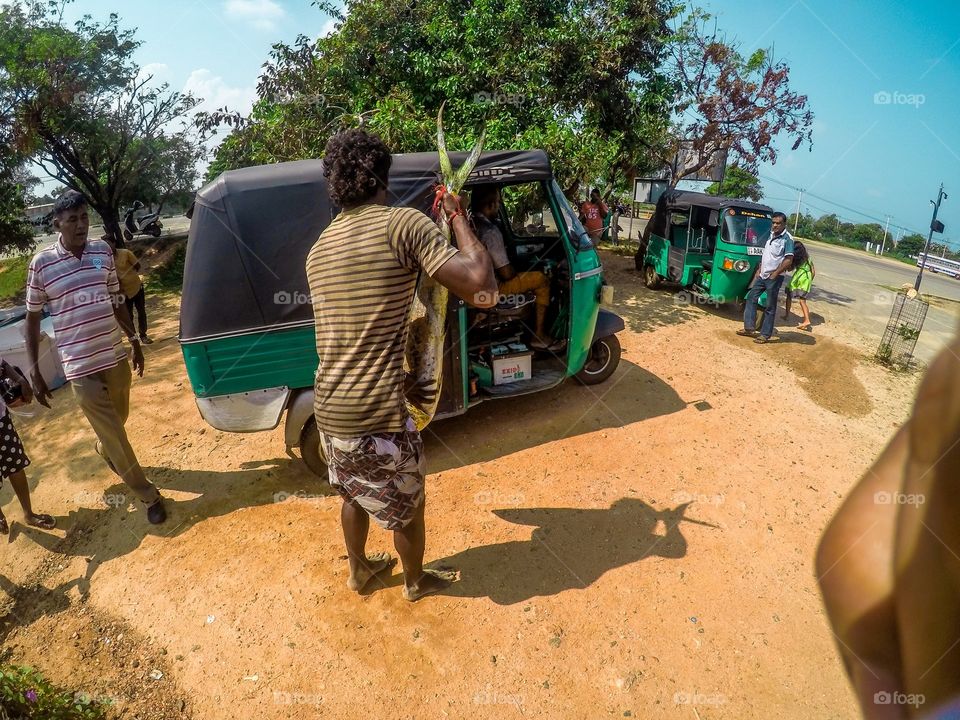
[[362, 273]]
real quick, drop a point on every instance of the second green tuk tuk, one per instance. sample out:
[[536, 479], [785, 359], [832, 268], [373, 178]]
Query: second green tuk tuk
[[708, 244]]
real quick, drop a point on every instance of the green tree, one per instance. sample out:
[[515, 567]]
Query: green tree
[[578, 79], [79, 108], [911, 245], [738, 183]]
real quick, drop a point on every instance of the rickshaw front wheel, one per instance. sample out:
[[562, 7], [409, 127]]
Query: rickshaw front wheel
[[603, 359], [310, 449]]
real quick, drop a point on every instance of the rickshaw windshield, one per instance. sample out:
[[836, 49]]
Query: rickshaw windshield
[[578, 235], [744, 227]]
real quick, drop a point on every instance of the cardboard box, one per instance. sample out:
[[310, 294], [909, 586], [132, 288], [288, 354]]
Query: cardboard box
[[512, 367]]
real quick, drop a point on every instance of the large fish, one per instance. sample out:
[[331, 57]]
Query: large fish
[[423, 359]]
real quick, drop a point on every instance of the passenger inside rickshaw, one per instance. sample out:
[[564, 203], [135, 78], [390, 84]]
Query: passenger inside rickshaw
[[531, 271]]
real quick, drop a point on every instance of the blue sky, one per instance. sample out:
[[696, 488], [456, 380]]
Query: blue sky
[[879, 158]]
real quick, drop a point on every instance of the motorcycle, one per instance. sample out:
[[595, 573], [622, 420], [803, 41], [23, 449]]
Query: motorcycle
[[148, 224]]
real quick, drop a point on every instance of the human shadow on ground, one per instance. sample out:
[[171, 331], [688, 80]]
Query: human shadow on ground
[[29, 604], [102, 534], [570, 548], [818, 294], [507, 425]]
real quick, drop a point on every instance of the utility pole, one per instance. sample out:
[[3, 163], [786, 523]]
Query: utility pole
[[796, 220], [934, 226], [884, 243]]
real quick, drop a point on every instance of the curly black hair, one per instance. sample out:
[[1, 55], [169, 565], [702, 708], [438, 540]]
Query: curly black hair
[[356, 164]]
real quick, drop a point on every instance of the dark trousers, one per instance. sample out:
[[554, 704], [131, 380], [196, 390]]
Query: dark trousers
[[138, 301], [772, 288]]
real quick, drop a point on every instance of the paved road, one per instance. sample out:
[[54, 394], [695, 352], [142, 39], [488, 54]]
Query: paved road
[[178, 225], [853, 287]]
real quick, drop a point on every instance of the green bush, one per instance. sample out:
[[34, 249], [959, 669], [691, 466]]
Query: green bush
[[25, 695]]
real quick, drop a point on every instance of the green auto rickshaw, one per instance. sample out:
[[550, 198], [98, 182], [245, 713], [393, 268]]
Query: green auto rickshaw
[[247, 325], [707, 244]]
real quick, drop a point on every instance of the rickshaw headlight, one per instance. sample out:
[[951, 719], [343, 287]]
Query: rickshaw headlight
[[741, 266]]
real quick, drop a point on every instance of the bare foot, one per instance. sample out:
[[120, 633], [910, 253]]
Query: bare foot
[[375, 564], [430, 582], [41, 520], [4, 525]]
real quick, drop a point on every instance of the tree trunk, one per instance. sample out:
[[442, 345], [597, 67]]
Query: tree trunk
[[111, 224]]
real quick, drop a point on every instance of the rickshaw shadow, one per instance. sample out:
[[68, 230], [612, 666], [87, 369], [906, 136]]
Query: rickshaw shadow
[[509, 425], [103, 534], [570, 548]]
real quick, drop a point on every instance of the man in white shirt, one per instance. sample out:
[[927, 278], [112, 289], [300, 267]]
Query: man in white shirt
[[775, 261]]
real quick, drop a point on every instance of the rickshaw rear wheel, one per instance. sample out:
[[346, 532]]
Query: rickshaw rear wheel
[[650, 277], [603, 359], [310, 449]]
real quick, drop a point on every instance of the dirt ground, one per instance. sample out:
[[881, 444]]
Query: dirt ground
[[642, 548]]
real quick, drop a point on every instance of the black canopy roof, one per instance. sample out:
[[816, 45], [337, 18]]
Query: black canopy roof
[[251, 230], [686, 199]]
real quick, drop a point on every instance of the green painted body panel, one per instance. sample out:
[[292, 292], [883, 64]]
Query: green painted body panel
[[253, 361], [717, 284]]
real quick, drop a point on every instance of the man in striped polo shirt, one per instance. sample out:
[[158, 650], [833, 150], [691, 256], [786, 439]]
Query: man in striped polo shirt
[[362, 273], [77, 281]]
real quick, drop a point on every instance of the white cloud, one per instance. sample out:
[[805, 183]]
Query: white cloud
[[328, 27], [261, 14], [216, 93], [160, 72]]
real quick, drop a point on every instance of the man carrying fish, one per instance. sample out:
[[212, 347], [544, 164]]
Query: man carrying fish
[[362, 274]]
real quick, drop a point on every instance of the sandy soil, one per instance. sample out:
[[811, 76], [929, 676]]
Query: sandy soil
[[641, 548]]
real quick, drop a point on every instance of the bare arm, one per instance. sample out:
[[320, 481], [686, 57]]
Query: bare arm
[[125, 322], [782, 267], [469, 273], [40, 388]]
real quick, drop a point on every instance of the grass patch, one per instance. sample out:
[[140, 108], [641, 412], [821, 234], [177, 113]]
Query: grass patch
[[13, 276], [168, 277]]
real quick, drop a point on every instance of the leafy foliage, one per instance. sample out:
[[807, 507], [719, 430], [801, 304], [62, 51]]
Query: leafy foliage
[[578, 79], [25, 694], [738, 183], [726, 102], [81, 109]]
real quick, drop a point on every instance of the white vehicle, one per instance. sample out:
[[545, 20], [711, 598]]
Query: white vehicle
[[939, 265]]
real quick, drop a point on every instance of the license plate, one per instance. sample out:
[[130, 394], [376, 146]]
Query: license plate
[[754, 251]]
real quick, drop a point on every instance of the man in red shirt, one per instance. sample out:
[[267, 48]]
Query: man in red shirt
[[592, 214]]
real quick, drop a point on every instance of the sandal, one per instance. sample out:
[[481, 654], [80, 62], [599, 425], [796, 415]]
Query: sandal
[[761, 340], [42, 521], [805, 326], [746, 333], [4, 526]]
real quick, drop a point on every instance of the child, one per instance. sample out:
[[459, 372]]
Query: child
[[12, 457], [803, 274], [131, 286]]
